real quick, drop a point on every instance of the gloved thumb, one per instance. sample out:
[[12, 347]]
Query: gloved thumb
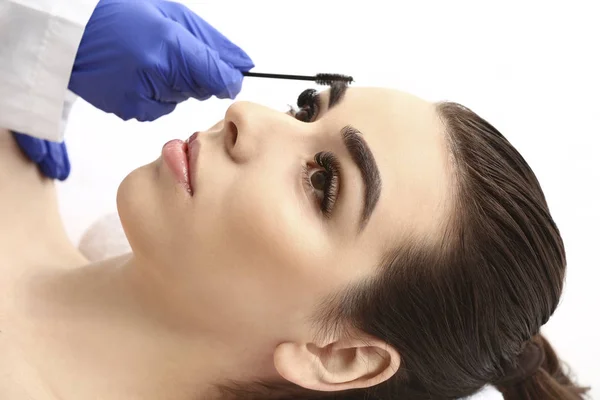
[[201, 71]]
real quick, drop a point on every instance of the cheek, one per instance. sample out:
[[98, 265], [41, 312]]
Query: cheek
[[264, 253], [269, 223], [278, 254]]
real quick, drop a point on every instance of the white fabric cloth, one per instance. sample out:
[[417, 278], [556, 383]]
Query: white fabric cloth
[[38, 44], [104, 239]]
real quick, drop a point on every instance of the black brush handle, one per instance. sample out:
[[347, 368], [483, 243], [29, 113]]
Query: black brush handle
[[280, 76]]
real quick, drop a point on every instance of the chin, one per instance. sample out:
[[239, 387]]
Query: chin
[[138, 205]]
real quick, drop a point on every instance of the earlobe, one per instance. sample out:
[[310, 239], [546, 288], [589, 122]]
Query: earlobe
[[341, 365], [295, 363]]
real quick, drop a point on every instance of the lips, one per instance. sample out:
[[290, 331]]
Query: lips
[[175, 155], [181, 158]]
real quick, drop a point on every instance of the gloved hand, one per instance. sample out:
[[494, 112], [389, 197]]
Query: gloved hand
[[51, 157], [139, 59]]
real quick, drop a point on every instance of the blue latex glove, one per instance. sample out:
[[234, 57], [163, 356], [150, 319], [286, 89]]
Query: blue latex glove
[[51, 157], [139, 59]]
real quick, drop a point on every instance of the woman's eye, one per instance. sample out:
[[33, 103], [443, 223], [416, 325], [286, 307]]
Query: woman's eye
[[322, 181], [319, 180], [308, 104], [305, 115]]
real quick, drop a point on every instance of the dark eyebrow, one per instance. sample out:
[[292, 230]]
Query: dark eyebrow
[[364, 160], [361, 156], [336, 93]]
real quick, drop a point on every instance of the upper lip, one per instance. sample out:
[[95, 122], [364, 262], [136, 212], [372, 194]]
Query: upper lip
[[192, 138], [191, 160]]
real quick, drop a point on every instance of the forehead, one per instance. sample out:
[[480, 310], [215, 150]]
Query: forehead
[[407, 139]]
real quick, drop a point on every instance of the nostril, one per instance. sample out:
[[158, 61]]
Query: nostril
[[233, 133]]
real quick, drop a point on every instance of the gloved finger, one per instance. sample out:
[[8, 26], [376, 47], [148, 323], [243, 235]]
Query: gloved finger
[[202, 94], [202, 71], [206, 33], [35, 149], [150, 78], [51, 158], [56, 164], [146, 110], [174, 96]]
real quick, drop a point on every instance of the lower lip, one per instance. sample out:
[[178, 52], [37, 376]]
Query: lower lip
[[175, 155]]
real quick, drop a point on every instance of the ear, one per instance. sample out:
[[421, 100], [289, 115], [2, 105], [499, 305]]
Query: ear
[[341, 365]]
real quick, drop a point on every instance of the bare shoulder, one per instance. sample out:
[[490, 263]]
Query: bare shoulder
[[18, 377], [18, 380]]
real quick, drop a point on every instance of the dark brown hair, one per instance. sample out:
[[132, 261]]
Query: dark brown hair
[[467, 305]]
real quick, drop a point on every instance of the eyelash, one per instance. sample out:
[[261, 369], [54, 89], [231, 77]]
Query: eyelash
[[307, 111], [308, 106], [331, 166]]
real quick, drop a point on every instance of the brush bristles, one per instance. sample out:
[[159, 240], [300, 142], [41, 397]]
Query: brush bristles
[[328, 79]]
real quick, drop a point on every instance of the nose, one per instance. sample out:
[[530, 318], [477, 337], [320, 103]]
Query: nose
[[249, 127]]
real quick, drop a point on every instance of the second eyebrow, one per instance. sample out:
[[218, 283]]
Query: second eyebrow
[[336, 93]]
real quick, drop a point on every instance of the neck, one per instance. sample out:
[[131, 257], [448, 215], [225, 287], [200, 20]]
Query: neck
[[101, 322]]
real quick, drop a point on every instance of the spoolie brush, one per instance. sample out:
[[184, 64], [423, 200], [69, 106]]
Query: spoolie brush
[[320, 79]]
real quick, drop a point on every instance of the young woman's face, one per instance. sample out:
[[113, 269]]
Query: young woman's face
[[287, 209]]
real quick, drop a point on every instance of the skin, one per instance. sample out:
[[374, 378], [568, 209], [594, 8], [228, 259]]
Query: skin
[[222, 284]]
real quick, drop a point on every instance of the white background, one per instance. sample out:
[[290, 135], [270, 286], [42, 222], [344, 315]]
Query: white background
[[530, 68]]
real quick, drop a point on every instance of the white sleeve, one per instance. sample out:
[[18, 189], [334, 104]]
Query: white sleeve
[[38, 44]]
